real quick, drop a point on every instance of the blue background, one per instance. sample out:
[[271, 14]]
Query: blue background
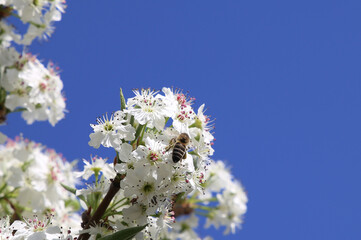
[[282, 78]]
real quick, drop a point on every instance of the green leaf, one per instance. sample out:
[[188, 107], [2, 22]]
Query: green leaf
[[3, 187], [74, 204], [193, 153], [197, 137], [122, 100], [197, 124], [70, 189], [125, 234], [73, 191]]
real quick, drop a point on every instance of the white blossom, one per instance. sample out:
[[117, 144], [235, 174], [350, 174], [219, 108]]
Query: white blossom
[[95, 167], [230, 195], [108, 132], [37, 173], [148, 109], [36, 229], [6, 232], [39, 15], [127, 157], [32, 86], [3, 138]]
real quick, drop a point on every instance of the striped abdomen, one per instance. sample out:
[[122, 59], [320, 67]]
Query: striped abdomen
[[178, 152]]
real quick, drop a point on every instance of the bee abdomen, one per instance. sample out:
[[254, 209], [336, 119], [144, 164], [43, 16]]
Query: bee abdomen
[[178, 152]]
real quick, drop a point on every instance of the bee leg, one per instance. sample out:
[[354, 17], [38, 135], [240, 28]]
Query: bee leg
[[171, 144], [185, 155], [169, 147]]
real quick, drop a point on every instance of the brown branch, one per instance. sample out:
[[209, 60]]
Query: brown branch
[[3, 113], [5, 11], [15, 215], [113, 189]]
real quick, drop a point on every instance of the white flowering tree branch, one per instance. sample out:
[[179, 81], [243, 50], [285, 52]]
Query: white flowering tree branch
[[26, 85], [149, 191], [162, 169]]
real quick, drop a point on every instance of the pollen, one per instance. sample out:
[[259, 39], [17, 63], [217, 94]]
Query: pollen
[[153, 156]]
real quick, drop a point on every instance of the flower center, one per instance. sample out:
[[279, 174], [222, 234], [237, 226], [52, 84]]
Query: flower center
[[108, 127], [230, 216], [175, 178], [181, 99], [153, 157], [148, 187], [148, 109], [52, 176], [184, 114], [42, 87], [130, 166]]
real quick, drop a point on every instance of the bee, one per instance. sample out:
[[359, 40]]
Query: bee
[[179, 145]]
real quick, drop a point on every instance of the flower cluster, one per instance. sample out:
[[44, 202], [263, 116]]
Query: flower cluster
[[31, 87], [39, 15], [226, 196], [32, 228], [25, 83], [223, 203], [230, 196], [160, 172], [31, 178], [159, 183]]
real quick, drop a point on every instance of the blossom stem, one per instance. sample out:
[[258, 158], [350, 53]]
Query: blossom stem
[[137, 133], [15, 15], [213, 199], [202, 214], [37, 24], [16, 110], [113, 213], [141, 136], [115, 204], [202, 207], [131, 122], [96, 173]]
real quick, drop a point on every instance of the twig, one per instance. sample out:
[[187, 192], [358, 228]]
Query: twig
[[15, 215], [113, 189]]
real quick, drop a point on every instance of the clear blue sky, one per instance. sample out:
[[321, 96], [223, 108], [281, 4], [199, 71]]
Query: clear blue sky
[[282, 78]]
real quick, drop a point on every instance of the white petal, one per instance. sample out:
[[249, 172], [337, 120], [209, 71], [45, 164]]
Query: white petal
[[3, 138], [53, 230], [95, 139]]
